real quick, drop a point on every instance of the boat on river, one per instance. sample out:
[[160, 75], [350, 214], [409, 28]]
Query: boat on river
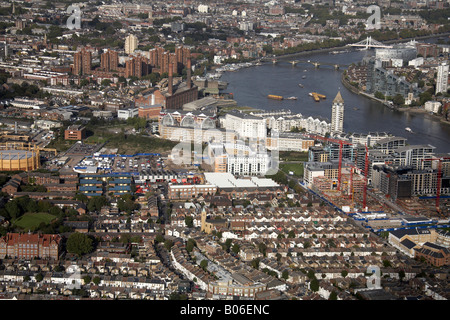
[[317, 96], [274, 97]]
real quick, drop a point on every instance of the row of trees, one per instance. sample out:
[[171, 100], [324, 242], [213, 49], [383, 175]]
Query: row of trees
[[20, 90], [16, 208], [81, 244], [125, 202]]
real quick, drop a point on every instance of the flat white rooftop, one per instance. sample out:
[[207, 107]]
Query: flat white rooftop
[[227, 180]]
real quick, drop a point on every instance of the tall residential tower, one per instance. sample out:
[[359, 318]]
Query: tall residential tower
[[131, 44], [337, 115], [442, 78]]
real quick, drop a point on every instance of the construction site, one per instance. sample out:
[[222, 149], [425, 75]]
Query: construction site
[[346, 185], [352, 195]]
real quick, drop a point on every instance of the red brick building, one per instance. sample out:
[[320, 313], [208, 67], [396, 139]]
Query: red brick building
[[13, 184], [61, 187], [161, 61], [174, 97], [75, 133], [434, 254], [82, 62], [150, 111], [41, 178], [29, 246], [177, 192], [137, 67], [109, 60], [427, 50]]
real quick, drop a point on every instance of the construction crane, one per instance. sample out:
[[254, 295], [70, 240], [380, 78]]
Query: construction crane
[[351, 191], [352, 169], [366, 176], [341, 145], [366, 172], [439, 179], [366, 163]]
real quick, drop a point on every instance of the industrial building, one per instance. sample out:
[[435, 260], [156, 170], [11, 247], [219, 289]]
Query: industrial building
[[236, 188], [19, 159], [174, 97]]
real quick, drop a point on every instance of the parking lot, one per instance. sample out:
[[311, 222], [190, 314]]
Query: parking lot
[[140, 164]]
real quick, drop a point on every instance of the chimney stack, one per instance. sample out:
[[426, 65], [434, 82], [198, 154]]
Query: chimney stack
[[170, 79], [189, 70]]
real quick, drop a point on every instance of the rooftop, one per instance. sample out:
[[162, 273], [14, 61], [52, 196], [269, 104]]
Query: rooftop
[[243, 115], [338, 98], [227, 180], [10, 154]]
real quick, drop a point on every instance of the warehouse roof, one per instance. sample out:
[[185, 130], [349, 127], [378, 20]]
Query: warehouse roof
[[228, 180]]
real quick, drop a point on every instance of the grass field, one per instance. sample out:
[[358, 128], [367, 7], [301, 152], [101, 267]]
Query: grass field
[[129, 144], [293, 156], [30, 221], [296, 168]]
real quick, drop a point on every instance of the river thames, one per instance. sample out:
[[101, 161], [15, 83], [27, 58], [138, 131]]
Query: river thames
[[250, 87]]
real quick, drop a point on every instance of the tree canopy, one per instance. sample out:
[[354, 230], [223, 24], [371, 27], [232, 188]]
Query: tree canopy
[[79, 244]]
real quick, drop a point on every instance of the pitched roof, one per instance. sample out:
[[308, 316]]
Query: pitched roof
[[408, 243], [403, 232], [338, 98]]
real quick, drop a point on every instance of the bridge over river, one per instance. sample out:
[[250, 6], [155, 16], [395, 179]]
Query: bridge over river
[[365, 44]]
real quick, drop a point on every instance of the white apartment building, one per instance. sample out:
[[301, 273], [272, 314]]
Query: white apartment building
[[288, 122], [232, 148], [413, 155], [253, 165], [203, 8], [416, 62], [432, 106], [245, 125], [442, 78], [337, 115], [312, 171], [287, 141], [124, 114], [131, 44]]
